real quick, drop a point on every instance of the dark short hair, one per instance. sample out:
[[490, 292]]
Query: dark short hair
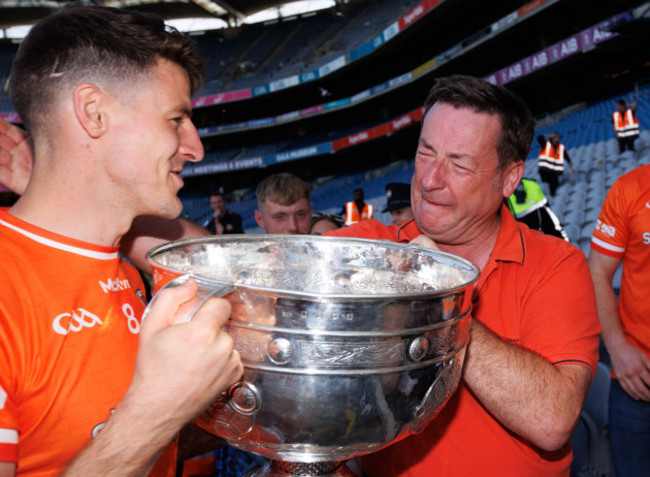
[[335, 219], [94, 44], [283, 189], [517, 123]]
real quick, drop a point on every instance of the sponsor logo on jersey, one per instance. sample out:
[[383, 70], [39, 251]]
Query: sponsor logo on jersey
[[75, 321], [113, 285], [646, 238], [608, 230]]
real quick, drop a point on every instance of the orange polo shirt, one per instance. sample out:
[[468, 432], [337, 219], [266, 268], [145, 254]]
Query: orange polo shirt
[[535, 292], [623, 231]]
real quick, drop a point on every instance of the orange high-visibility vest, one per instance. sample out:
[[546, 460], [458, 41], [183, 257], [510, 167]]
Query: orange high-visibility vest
[[352, 215], [552, 157], [626, 125]]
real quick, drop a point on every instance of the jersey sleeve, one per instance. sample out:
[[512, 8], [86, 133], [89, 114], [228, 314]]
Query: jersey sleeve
[[611, 233], [8, 389]]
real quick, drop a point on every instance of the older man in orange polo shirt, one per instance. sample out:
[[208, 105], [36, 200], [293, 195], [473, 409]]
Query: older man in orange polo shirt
[[534, 340]]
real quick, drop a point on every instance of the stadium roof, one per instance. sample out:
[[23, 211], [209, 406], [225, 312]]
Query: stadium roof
[[24, 12]]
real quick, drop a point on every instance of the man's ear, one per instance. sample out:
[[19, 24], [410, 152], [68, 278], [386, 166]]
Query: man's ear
[[89, 106], [512, 176], [258, 219]]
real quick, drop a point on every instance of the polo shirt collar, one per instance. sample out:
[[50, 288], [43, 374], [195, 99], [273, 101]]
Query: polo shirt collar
[[408, 231], [509, 246]]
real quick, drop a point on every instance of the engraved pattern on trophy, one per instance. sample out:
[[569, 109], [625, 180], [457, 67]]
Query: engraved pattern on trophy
[[335, 354]]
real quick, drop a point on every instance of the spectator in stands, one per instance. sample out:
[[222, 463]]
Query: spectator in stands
[[534, 334], [357, 210], [398, 202], [622, 234], [321, 223], [551, 160], [626, 125], [223, 221], [87, 386], [529, 205], [284, 206]]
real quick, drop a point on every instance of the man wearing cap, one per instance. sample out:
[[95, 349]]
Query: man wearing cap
[[398, 202]]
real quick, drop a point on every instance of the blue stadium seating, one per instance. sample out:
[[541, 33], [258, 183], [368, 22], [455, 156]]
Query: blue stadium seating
[[590, 142]]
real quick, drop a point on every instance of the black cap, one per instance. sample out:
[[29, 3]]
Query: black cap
[[398, 196]]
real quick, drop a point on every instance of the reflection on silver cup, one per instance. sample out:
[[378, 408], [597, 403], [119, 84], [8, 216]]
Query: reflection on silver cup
[[348, 344]]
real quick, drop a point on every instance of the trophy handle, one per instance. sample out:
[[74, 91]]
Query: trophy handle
[[204, 293]]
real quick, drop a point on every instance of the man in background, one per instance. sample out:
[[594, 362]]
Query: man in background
[[622, 234], [551, 160], [626, 125], [222, 221], [87, 386], [283, 205], [357, 210], [398, 202], [529, 205]]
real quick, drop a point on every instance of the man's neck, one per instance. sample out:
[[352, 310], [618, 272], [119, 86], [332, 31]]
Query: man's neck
[[78, 216], [478, 248]]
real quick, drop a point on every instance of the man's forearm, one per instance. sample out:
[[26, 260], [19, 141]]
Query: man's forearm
[[148, 232], [527, 394], [612, 331], [128, 445]]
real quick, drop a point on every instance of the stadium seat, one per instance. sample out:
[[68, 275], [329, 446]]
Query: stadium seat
[[573, 231], [590, 440]]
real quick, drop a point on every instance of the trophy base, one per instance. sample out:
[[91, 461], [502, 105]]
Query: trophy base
[[277, 468]]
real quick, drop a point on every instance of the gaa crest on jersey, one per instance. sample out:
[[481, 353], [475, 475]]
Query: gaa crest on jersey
[[75, 321]]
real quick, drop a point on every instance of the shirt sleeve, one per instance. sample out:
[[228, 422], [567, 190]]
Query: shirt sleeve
[[611, 233], [8, 409]]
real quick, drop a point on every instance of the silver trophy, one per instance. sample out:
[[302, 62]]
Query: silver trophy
[[348, 345]]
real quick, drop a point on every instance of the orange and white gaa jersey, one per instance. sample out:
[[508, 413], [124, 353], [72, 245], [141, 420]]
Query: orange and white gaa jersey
[[623, 231], [69, 322]]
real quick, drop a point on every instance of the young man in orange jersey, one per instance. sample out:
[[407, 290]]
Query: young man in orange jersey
[[87, 387], [622, 234], [534, 336]]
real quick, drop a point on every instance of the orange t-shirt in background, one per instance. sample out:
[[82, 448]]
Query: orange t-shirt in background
[[69, 323], [623, 231]]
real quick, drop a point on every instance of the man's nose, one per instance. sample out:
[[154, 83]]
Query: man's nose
[[293, 225], [435, 174], [191, 147]]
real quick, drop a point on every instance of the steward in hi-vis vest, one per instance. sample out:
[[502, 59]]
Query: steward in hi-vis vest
[[529, 205], [551, 160], [626, 125], [357, 210]]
